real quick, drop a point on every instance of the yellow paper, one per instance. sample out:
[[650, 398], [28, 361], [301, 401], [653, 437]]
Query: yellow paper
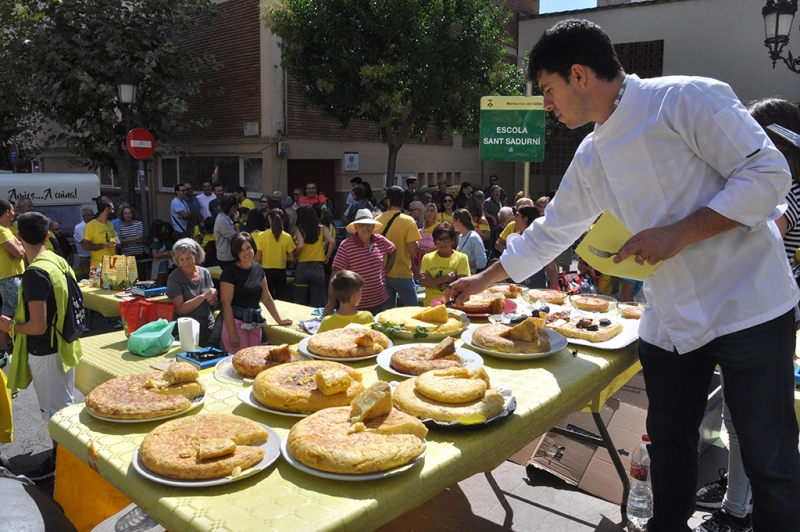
[[609, 234]]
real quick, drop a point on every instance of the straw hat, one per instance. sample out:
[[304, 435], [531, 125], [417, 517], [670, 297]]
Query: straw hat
[[363, 216]]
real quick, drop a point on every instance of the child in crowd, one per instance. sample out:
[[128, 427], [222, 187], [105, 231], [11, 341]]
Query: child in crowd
[[347, 286]]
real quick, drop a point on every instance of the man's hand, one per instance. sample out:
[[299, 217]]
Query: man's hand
[[5, 323], [328, 310], [465, 287], [651, 245], [462, 289], [661, 243]]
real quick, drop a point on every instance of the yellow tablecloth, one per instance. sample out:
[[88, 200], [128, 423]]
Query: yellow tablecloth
[[105, 356], [283, 498], [105, 302]]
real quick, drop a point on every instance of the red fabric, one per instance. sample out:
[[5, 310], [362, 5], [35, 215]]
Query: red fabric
[[368, 263], [139, 311], [305, 200]]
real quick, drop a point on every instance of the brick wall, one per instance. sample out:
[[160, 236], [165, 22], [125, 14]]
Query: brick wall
[[521, 7], [308, 122], [234, 39]]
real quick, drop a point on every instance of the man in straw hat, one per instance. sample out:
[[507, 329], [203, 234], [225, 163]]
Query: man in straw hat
[[364, 254]]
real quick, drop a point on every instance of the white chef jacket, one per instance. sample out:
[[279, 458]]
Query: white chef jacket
[[673, 146]]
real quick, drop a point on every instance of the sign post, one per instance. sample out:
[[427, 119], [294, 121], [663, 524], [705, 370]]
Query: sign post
[[512, 129], [142, 146]]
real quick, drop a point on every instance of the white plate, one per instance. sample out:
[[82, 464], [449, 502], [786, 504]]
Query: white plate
[[224, 371], [557, 343], [302, 347], [509, 405], [248, 397], [473, 360], [195, 404], [628, 335], [272, 450], [342, 476], [434, 336]]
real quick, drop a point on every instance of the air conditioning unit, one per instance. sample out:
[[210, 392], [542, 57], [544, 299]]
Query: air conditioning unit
[[283, 149]]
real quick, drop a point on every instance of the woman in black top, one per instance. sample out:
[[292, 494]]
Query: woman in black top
[[244, 283]]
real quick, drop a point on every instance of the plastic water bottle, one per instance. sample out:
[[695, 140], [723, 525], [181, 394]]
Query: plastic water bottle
[[106, 285], [640, 499]]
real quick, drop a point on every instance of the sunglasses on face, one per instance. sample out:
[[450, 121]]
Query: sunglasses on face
[[448, 201]]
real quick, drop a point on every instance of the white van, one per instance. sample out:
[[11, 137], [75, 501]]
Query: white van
[[61, 197]]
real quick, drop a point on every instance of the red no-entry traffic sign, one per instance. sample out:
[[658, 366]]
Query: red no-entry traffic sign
[[141, 143]]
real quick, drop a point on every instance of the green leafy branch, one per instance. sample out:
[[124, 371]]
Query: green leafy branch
[[387, 328]]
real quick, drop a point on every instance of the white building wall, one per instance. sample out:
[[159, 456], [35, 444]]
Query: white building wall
[[722, 39]]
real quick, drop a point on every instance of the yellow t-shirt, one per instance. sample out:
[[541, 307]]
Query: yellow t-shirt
[[444, 217], [97, 233], [508, 230], [437, 266], [247, 202], [482, 225], [429, 230], [9, 265], [337, 321], [314, 252], [273, 252], [209, 237], [403, 230]]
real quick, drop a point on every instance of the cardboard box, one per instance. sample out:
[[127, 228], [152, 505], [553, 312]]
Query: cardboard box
[[590, 467]]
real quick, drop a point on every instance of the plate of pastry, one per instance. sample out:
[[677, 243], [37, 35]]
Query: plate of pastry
[[424, 324], [352, 343], [410, 360], [366, 440], [522, 341], [206, 450]]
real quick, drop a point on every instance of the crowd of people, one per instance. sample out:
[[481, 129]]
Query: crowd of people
[[680, 161]]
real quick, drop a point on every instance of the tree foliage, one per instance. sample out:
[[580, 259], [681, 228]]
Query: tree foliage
[[72, 51], [401, 64]]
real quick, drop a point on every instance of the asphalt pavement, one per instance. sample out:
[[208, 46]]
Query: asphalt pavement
[[32, 445]]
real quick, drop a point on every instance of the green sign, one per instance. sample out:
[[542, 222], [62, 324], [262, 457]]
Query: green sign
[[512, 128]]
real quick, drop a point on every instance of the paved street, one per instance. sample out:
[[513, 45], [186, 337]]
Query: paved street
[[31, 442]]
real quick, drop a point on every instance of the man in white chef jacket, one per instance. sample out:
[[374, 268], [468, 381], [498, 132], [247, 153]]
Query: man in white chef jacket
[[682, 164]]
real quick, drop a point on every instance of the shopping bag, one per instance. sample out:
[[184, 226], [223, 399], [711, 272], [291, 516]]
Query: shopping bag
[[152, 339], [121, 271], [132, 272], [140, 311]]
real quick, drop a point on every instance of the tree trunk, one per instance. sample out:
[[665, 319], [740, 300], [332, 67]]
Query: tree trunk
[[396, 142]]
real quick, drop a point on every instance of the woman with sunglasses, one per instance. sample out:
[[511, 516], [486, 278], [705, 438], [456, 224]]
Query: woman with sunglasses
[[442, 266], [447, 208], [263, 204]]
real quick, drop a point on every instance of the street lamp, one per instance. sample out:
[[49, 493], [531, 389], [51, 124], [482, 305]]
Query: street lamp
[[127, 84], [778, 17]]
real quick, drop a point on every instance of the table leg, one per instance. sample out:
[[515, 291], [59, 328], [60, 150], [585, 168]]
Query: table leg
[[612, 452], [604, 441]]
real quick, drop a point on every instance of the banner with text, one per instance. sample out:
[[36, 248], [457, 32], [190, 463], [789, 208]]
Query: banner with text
[[512, 128]]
